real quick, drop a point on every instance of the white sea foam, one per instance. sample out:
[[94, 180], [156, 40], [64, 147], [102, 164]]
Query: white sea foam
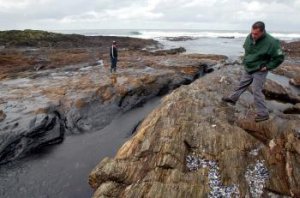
[[228, 43], [209, 34], [286, 36], [158, 34], [195, 34]]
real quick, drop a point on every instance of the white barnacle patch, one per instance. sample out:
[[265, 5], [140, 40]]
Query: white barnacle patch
[[256, 177], [218, 190]]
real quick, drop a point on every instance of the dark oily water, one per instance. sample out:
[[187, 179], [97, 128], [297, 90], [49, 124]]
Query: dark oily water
[[62, 170]]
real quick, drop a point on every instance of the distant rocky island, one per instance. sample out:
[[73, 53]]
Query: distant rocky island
[[56, 85]]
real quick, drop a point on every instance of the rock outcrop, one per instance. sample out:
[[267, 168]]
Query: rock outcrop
[[193, 145]]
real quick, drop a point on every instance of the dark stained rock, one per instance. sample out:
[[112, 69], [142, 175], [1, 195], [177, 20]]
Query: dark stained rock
[[22, 135], [169, 51], [180, 38], [293, 110]]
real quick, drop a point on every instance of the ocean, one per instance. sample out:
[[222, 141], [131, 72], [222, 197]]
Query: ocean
[[223, 42]]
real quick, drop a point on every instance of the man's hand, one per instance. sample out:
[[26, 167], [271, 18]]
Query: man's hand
[[264, 68]]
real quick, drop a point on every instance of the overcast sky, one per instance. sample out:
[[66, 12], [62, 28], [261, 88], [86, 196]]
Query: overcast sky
[[279, 15]]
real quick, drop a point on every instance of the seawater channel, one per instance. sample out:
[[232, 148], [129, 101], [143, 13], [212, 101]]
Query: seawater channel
[[61, 171]]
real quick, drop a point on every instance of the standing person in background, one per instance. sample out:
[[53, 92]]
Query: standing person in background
[[262, 53], [113, 51]]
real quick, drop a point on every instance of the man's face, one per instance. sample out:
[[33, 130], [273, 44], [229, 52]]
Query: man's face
[[256, 33]]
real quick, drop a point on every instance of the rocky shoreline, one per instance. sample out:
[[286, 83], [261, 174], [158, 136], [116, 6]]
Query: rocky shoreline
[[190, 146], [39, 107]]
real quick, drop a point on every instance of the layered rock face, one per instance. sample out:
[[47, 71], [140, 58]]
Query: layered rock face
[[193, 145]]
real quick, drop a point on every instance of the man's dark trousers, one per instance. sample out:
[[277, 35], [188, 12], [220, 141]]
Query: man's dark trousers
[[113, 64]]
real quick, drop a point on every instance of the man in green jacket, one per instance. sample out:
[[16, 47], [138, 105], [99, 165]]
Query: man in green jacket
[[262, 53]]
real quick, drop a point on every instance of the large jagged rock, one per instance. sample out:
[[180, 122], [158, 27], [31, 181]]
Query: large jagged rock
[[278, 92], [169, 51], [193, 145], [32, 132], [180, 38]]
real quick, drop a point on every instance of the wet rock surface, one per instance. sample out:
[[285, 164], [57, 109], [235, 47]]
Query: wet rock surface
[[194, 145], [291, 67], [273, 90], [39, 107]]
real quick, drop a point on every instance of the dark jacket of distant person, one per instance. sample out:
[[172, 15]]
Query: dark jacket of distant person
[[113, 52]]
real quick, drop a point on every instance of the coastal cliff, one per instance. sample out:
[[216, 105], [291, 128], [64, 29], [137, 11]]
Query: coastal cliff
[[193, 145]]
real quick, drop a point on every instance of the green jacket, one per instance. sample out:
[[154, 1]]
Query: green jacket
[[266, 51]]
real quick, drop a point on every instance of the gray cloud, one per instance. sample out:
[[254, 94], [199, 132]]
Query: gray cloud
[[200, 14]]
